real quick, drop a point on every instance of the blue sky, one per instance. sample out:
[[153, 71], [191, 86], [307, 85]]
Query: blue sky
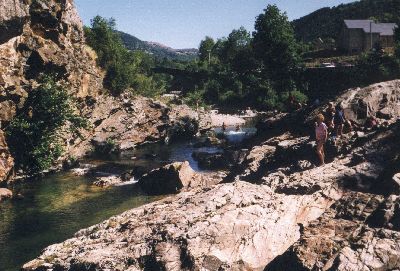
[[184, 23]]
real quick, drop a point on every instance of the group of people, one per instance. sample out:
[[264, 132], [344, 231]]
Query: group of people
[[331, 122]]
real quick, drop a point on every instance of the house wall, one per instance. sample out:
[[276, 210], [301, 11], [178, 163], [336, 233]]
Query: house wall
[[387, 41], [367, 40], [353, 41]]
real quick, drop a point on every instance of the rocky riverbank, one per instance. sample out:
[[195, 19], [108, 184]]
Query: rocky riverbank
[[275, 211]]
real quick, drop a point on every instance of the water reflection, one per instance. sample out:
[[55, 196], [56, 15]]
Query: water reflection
[[53, 210]]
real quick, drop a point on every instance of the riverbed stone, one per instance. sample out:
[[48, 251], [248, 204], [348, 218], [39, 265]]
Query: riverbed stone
[[207, 160], [5, 194], [169, 179], [108, 181]]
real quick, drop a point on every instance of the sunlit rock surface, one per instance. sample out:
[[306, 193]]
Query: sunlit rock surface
[[237, 226], [281, 212], [5, 194]]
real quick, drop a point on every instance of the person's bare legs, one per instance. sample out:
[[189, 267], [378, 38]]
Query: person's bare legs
[[340, 130], [320, 153]]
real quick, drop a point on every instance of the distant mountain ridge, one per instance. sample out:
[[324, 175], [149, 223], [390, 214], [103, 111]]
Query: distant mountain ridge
[[327, 22], [159, 50]]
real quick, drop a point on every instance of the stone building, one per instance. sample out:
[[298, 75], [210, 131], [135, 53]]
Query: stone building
[[361, 35]]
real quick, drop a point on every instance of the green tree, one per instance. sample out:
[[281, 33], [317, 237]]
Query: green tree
[[35, 134], [124, 68], [112, 55], [237, 41], [275, 46], [205, 48], [104, 39]]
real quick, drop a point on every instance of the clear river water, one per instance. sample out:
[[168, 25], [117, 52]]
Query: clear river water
[[58, 205]]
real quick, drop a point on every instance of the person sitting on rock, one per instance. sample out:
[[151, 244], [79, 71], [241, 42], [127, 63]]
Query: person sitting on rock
[[321, 135], [237, 128]]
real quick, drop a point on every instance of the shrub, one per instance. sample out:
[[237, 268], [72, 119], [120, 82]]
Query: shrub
[[299, 96], [35, 134], [195, 98], [106, 148]]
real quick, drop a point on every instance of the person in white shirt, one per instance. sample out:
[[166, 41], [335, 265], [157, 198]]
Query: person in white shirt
[[321, 135]]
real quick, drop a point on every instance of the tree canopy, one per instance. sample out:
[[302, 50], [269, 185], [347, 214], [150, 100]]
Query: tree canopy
[[205, 48], [124, 68], [275, 45]]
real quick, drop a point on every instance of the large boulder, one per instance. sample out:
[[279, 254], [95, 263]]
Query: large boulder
[[169, 179], [380, 100], [207, 160], [5, 194]]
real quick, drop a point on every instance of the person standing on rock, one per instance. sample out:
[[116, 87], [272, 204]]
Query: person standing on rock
[[339, 120], [321, 135], [329, 114]]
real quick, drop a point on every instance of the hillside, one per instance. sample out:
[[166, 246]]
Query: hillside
[[160, 51], [326, 22]]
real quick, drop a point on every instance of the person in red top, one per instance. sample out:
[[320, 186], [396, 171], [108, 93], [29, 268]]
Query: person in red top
[[321, 135]]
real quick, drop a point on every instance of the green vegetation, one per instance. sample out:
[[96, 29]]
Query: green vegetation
[[377, 66], [259, 69], [244, 69], [106, 148], [125, 69], [35, 134], [326, 23], [276, 47]]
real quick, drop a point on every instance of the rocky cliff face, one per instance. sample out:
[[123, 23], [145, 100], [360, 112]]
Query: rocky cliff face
[[35, 37], [280, 212]]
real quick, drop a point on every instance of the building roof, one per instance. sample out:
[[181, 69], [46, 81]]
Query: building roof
[[384, 29]]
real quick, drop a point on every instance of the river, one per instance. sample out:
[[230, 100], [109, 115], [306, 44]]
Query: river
[[58, 205]]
